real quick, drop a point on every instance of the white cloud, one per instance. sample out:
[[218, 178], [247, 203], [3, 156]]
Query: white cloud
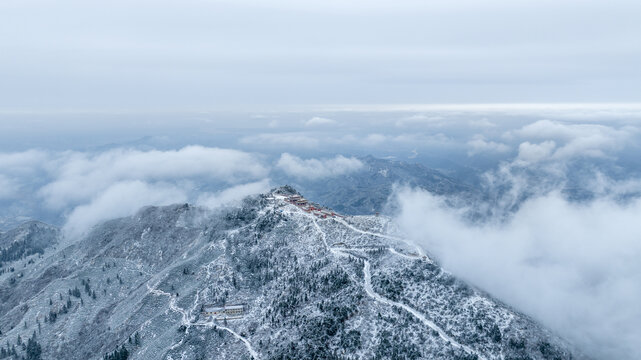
[[317, 168], [421, 139], [273, 124], [81, 176], [531, 153], [577, 140], [573, 111], [374, 139], [573, 267], [23, 163], [482, 123], [89, 187], [21, 171], [547, 129], [422, 119], [320, 121], [120, 199], [8, 188], [233, 194], [479, 145], [604, 186]]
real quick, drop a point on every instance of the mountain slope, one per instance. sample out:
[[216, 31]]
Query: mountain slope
[[313, 287]]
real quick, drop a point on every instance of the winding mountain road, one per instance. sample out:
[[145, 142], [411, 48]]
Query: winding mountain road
[[377, 297]]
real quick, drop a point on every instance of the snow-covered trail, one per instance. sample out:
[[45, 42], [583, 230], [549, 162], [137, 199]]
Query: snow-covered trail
[[186, 318], [420, 251], [411, 257], [248, 345], [172, 303], [352, 227], [186, 322], [173, 307], [373, 294]]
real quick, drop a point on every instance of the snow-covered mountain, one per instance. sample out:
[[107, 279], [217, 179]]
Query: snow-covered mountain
[[309, 284]]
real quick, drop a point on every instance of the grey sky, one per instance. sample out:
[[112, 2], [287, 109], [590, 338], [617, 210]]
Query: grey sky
[[186, 55]]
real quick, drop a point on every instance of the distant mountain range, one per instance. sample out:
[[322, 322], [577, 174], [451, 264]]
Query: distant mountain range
[[366, 192], [305, 284]]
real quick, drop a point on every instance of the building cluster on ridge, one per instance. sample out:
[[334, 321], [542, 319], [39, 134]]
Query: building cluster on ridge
[[306, 206]]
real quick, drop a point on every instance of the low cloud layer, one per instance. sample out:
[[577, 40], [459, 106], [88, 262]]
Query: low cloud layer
[[282, 140], [80, 176], [8, 188], [532, 153], [523, 152], [559, 235], [572, 266], [320, 121], [578, 140], [317, 168], [85, 188], [233, 194], [480, 145], [82, 189], [121, 199]]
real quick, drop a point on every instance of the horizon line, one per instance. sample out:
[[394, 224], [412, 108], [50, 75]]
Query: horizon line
[[356, 107]]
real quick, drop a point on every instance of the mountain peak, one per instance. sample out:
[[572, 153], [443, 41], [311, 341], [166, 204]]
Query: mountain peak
[[295, 281], [285, 190]]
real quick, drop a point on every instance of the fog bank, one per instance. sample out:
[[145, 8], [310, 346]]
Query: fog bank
[[574, 267]]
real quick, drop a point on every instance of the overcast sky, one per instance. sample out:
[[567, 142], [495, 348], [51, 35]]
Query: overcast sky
[[186, 55]]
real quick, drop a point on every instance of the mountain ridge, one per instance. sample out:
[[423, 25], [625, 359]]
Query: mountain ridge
[[326, 287]]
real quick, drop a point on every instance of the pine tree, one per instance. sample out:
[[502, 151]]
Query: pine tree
[[118, 354], [124, 354], [34, 350]]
